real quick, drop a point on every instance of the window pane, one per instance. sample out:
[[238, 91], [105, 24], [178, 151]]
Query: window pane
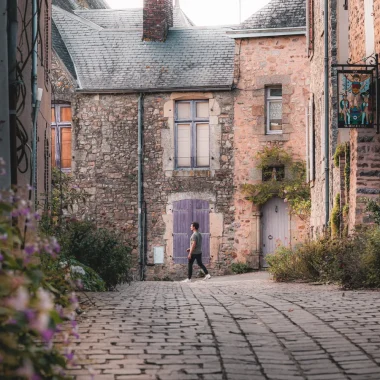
[[53, 162], [184, 145], [66, 148], [275, 92], [53, 115], [275, 116], [203, 145], [202, 110], [66, 114], [184, 110]]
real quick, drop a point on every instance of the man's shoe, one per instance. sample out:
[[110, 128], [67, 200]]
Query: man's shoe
[[187, 280], [207, 277]]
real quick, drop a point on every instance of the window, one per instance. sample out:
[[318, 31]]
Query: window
[[61, 136], [46, 44], [274, 110], [274, 173], [192, 134]]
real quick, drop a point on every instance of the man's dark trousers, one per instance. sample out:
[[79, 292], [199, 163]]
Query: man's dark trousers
[[197, 257]]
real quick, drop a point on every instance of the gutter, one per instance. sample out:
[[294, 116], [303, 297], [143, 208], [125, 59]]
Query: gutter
[[268, 32], [152, 90], [327, 114]]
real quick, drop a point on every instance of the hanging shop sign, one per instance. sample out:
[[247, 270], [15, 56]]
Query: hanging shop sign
[[357, 93]]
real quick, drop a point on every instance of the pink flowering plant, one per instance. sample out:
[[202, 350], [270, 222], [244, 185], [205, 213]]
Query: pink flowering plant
[[34, 316]]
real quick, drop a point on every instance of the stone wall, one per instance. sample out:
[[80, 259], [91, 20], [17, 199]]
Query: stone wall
[[365, 143], [317, 220], [263, 62]]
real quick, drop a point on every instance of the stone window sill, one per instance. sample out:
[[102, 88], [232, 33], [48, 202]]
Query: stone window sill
[[275, 137], [191, 173]]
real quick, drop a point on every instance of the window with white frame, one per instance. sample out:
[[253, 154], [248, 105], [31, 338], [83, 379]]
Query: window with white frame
[[61, 136], [274, 110], [192, 134]]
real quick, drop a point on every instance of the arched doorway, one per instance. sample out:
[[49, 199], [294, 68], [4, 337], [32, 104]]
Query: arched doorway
[[274, 227]]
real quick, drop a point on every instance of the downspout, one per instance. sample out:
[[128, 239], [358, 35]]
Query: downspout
[[35, 106], [327, 115], [12, 78], [140, 187]]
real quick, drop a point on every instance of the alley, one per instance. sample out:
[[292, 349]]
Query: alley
[[242, 327]]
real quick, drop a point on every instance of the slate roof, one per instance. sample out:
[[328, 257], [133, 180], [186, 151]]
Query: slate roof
[[127, 18], [70, 5], [58, 44], [278, 14], [117, 59]]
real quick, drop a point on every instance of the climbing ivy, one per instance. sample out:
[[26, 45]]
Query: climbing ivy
[[293, 189], [336, 217]]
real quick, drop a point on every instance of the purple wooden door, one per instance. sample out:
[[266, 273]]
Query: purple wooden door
[[184, 213]]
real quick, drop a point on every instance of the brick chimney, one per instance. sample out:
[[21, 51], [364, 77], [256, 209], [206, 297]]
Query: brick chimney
[[157, 19]]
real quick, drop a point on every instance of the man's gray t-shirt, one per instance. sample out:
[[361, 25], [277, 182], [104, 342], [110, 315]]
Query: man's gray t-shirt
[[197, 237]]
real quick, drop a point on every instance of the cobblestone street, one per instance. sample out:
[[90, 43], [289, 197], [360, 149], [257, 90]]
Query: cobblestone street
[[243, 327]]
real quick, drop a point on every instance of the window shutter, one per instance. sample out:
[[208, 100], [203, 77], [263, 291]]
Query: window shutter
[[201, 214], [66, 148], [310, 141], [53, 153], [182, 214], [183, 145], [203, 145], [369, 27], [322, 134]]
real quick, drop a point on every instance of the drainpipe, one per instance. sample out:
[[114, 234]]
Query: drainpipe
[[327, 114], [35, 51], [35, 106], [140, 187], [34, 147], [12, 79]]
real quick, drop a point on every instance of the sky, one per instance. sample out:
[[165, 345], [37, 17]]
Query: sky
[[206, 12]]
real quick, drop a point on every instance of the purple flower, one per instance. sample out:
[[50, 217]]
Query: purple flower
[[37, 216], [30, 314], [36, 377], [70, 356], [47, 335], [25, 211], [1, 257], [30, 249], [4, 237]]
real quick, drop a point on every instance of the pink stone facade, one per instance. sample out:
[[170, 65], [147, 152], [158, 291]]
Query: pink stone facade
[[262, 62]]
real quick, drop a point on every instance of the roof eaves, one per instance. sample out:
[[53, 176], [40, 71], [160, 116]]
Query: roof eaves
[[153, 90], [267, 32]]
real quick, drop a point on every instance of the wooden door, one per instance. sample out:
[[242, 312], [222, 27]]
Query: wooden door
[[274, 227], [184, 213]]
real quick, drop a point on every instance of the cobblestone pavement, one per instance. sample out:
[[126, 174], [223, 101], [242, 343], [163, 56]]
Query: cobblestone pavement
[[242, 327]]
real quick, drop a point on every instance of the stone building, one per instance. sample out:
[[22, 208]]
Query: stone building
[[273, 70], [195, 94], [353, 33]]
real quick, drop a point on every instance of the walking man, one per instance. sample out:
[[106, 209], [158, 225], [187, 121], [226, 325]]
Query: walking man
[[195, 252]]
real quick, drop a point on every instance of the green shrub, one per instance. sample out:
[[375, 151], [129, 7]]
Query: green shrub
[[353, 262], [99, 249], [239, 268]]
